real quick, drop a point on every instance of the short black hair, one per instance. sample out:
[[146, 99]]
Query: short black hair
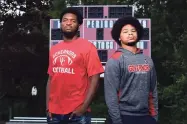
[[118, 25], [74, 11]]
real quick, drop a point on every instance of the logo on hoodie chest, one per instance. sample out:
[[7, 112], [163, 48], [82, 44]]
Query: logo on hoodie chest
[[139, 68]]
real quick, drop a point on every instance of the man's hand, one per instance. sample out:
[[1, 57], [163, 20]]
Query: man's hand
[[49, 114], [78, 112], [90, 94]]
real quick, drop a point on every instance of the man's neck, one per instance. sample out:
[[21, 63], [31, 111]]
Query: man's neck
[[132, 49], [69, 39]]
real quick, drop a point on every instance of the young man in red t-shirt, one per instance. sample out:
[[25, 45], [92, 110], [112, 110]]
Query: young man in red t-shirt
[[74, 71]]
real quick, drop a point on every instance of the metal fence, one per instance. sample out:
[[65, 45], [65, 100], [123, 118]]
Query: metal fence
[[43, 120]]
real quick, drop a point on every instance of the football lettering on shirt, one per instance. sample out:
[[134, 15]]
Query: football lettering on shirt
[[65, 58]]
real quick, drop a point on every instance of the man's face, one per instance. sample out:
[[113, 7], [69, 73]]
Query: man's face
[[69, 25], [128, 34]]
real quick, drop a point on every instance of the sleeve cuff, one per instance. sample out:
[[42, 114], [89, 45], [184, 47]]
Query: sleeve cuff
[[155, 117]]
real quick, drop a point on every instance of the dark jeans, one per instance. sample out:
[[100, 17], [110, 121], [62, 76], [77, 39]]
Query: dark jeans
[[64, 119], [135, 120]]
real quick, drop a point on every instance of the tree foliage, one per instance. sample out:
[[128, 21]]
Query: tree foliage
[[24, 45]]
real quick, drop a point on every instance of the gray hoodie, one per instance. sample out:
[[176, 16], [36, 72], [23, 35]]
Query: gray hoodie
[[130, 85]]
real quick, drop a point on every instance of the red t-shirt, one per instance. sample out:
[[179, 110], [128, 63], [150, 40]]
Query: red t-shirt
[[70, 66]]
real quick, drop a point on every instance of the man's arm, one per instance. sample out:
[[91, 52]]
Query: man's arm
[[92, 90], [111, 90], [94, 69], [89, 97], [153, 96], [50, 73], [47, 92]]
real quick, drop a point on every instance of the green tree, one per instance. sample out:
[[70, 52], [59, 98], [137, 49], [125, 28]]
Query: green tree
[[168, 48], [24, 45]]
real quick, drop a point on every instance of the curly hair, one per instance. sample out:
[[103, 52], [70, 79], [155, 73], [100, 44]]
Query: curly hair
[[74, 11], [118, 25]]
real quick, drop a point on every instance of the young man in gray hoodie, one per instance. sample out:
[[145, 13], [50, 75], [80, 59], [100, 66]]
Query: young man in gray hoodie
[[130, 81]]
